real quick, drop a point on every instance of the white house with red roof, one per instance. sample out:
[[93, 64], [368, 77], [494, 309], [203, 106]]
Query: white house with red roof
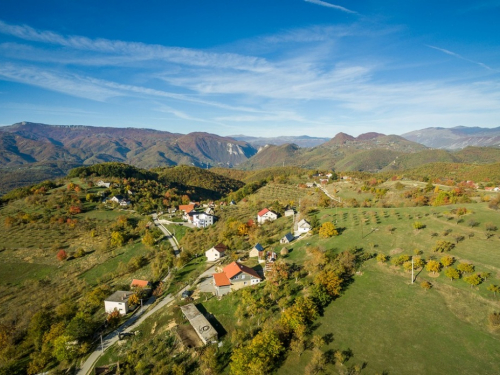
[[266, 215], [233, 277]]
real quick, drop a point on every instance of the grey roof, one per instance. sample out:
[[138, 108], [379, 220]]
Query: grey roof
[[200, 324], [119, 296]]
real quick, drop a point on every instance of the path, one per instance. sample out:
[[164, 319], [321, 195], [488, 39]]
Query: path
[[336, 199], [171, 238], [132, 323]]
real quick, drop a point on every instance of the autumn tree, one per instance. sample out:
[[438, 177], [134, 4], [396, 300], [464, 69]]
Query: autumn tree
[[452, 273], [329, 279], [62, 255], [466, 267], [317, 364], [494, 289], [418, 262], [303, 312], [279, 272], [443, 246], [208, 360], [259, 356], [418, 225], [433, 266], [447, 260], [133, 300], [381, 258], [473, 280], [426, 285], [148, 239], [117, 239], [113, 318], [328, 230], [316, 260]]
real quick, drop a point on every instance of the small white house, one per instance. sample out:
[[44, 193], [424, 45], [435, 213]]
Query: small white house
[[256, 251], [216, 252], [120, 200], [101, 183], [303, 226], [266, 215], [119, 301], [289, 212]]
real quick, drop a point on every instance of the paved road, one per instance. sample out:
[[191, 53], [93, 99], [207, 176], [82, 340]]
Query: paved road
[[131, 324], [173, 241]]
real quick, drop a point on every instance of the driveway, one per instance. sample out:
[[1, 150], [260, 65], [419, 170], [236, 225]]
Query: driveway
[[206, 285]]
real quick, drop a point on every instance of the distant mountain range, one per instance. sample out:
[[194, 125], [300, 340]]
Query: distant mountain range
[[46, 151], [456, 138], [301, 140]]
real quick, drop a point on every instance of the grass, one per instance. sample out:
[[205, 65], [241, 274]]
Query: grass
[[16, 273], [178, 230], [402, 329]]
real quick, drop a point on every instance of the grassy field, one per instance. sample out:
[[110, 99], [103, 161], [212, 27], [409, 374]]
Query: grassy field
[[16, 273], [400, 328]]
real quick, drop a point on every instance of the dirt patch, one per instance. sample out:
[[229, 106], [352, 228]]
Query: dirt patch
[[396, 251], [435, 276], [188, 336]]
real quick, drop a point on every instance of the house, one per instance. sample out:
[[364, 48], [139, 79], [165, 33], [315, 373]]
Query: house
[[323, 181], [120, 200], [233, 277], [303, 226], [201, 325], [118, 301], [266, 215], [287, 238], [136, 283], [310, 184], [216, 252], [256, 250], [329, 175], [209, 210], [187, 208], [101, 183], [232, 203], [200, 219], [289, 212]]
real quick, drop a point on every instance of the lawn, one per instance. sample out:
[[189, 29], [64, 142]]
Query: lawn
[[15, 273], [402, 329]]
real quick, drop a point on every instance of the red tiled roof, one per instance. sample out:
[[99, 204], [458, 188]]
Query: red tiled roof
[[235, 268], [139, 283], [186, 207], [221, 279], [263, 212]]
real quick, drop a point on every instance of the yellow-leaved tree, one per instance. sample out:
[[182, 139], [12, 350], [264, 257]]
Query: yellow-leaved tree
[[328, 230]]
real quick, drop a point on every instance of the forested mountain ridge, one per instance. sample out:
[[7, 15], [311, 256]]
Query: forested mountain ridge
[[456, 138]]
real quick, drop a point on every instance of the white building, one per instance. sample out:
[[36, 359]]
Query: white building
[[101, 183], [201, 219], [119, 301], [303, 226], [289, 212], [266, 215], [216, 252], [120, 200]]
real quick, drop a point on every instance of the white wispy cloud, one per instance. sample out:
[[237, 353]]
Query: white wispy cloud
[[458, 56], [140, 51], [328, 5]]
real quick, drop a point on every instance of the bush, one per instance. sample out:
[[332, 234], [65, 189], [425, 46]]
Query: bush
[[494, 319], [62, 255], [426, 285], [443, 246]]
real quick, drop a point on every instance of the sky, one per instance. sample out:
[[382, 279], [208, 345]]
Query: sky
[[254, 67]]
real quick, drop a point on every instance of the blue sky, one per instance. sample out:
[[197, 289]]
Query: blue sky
[[261, 68]]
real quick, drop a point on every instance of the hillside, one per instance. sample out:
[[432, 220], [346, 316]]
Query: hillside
[[26, 142], [301, 140], [455, 138]]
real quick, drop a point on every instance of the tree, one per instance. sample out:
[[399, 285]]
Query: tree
[[447, 260], [381, 258], [208, 360], [433, 266], [330, 281], [113, 318], [426, 285], [328, 230], [133, 300], [443, 246], [317, 363], [64, 349], [466, 267], [303, 312], [418, 262], [452, 273], [494, 289], [490, 227], [473, 280], [418, 225], [117, 239], [148, 239], [62, 255]]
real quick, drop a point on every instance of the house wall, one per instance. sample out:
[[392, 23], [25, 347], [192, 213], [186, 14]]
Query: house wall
[[212, 255], [222, 290], [242, 282], [110, 306], [253, 253]]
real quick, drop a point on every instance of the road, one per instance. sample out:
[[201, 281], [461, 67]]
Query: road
[[336, 199], [173, 241], [131, 324]]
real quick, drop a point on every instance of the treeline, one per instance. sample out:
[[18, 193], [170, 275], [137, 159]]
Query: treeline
[[113, 169]]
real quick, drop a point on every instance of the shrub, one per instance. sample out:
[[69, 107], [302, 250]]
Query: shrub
[[426, 285], [62, 255], [494, 319], [442, 246]]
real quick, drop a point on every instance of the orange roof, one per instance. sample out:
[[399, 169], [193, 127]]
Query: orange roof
[[263, 212], [221, 279], [186, 207], [235, 268], [139, 283]]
